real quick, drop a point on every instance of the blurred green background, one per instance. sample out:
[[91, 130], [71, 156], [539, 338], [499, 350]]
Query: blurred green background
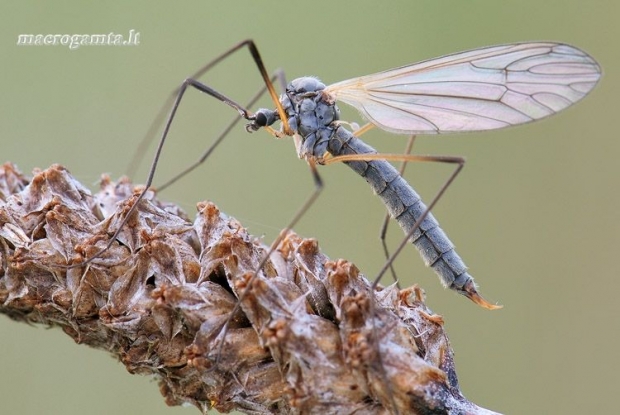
[[535, 213]]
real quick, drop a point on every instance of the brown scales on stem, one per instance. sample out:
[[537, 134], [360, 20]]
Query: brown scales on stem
[[302, 342]]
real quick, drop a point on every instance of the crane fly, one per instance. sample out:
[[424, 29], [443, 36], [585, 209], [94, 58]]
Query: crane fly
[[482, 89]]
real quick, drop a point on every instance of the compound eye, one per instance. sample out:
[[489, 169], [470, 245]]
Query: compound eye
[[260, 119], [264, 117]]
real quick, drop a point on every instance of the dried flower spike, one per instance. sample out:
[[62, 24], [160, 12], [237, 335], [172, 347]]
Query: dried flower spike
[[305, 340]]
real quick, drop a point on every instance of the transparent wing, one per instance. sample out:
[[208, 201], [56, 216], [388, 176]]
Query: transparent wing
[[482, 89]]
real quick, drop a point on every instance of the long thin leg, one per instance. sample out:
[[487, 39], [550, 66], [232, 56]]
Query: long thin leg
[[146, 140], [209, 91], [186, 83], [469, 289], [386, 219], [279, 76], [318, 187], [373, 340], [460, 163]]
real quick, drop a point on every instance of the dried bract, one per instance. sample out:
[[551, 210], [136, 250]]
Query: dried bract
[[310, 336]]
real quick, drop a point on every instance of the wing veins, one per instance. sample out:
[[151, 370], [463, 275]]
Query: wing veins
[[554, 77], [454, 111]]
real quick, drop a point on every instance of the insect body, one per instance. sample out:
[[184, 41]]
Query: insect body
[[483, 89]]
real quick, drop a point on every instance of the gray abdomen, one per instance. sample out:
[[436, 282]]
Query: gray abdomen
[[406, 206]]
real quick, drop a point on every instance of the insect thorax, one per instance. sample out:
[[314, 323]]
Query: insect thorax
[[311, 114]]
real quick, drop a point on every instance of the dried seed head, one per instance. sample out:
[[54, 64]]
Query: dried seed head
[[309, 336]]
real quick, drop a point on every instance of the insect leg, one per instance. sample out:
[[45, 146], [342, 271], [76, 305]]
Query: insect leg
[[186, 83], [466, 286], [318, 187], [176, 97], [279, 75], [155, 124], [386, 218]]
